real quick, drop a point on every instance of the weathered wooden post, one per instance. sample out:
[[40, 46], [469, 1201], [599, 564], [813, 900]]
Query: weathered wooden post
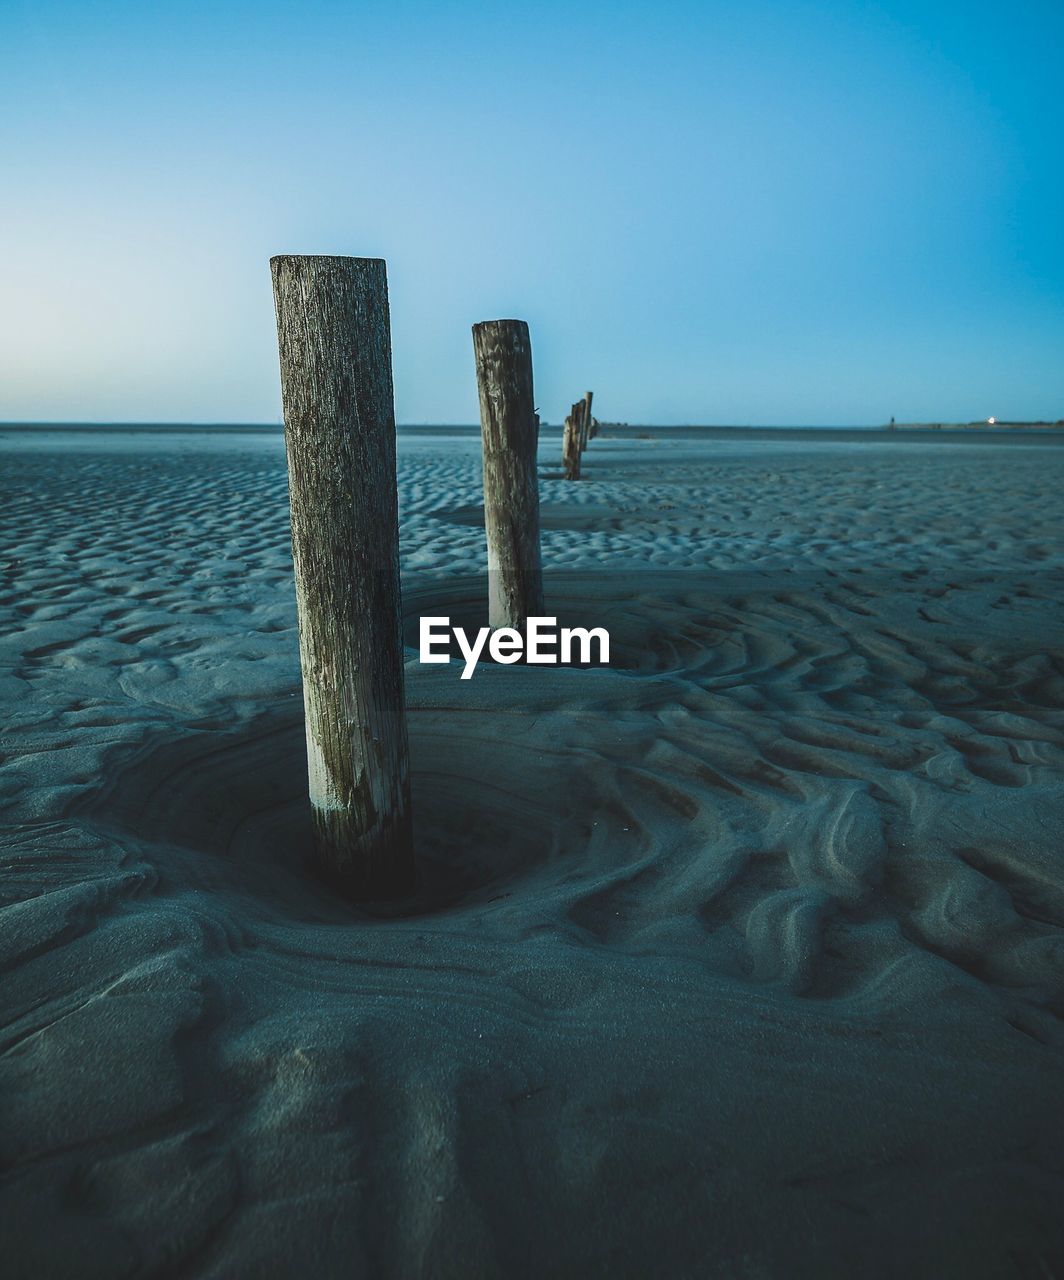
[[585, 421], [336, 381], [509, 427], [571, 442]]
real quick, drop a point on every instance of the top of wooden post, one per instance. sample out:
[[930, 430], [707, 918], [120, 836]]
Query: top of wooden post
[[278, 258], [503, 351]]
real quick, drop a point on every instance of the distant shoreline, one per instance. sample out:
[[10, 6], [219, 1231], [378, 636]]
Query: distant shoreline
[[241, 436], [998, 425]]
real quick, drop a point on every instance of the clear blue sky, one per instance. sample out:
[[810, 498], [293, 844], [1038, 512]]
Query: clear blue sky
[[761, 212]]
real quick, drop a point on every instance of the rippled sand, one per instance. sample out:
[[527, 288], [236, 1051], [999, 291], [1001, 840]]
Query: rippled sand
[[744, 958]]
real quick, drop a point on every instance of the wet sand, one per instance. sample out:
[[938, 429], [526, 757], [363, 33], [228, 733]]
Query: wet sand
[[742, 958]]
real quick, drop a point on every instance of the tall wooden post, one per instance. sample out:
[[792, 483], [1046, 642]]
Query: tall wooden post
[[336, 381], [571, 441], [585, 422], [509, 427]]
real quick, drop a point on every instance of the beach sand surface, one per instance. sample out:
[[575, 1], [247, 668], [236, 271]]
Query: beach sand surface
[[741, 958]]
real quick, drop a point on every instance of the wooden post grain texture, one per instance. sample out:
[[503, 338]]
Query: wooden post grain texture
[[509, 428], [585, 421], [571, 442], [336, 382]]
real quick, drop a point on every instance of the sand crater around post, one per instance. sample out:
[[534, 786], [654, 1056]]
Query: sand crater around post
[[237, 797]]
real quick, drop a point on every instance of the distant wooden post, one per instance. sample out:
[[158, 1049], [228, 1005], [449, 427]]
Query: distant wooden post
[[509, 427], [571, 441], [585, 422], [336, 382]]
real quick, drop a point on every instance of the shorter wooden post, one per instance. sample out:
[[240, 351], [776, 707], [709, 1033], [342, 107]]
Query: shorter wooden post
[[571, 441], [509, 428], [336, 383], [585, 422]]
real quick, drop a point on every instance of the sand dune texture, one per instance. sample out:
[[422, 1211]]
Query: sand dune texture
[[743, 958]]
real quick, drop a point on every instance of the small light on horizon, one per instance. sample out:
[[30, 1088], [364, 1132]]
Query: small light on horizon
[[991, 421]]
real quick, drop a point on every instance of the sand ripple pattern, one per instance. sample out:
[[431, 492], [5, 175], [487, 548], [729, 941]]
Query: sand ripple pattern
[[747, 953]]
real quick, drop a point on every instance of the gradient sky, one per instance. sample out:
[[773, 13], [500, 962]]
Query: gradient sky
[[761, 212]]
